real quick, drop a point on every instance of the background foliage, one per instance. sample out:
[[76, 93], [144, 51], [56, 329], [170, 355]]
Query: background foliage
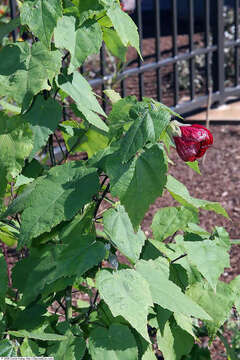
[[77, 223]]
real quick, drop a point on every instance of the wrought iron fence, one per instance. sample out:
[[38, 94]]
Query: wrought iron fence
[[209, 30]]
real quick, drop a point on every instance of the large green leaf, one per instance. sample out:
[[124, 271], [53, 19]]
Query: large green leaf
[[57, 197], [41, 17], [217, 304], [118, 227], [117, 342], [81, 92], [209, 257], [180, 193], [124, 25], [139, 182], [27, 70], [44, 117], [4, 280], [174, 342], [147, 127], [165, 293], [127, 294], [85, 41], [170, 219]]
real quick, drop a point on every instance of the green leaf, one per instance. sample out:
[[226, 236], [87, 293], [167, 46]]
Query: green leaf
[[209, 257], [235, 286], [194, 165], [170, 219], [113, 95], [29, 348], [7, 348], [72, 348], [16, 142], [27, 70], [4, 280], [117, 342], [31, 274], [57, 197], [127, 294], [85, 41], [175, 342], [124, 26], [5, 29], [118, 227], [114, 44], [8, 234], [198, 353], [217, 304], [21, 201], [164, 292], [41, 17], [37, 335], [180, 193], [81, 254], [44, 117], [78, 88], [139, 182], [147, 127]]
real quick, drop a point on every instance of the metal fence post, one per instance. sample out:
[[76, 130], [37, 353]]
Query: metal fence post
[[218, 55]]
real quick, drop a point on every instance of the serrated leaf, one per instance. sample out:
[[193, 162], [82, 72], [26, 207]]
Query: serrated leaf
[[235, 286], [113, 95], [85, 41], [127, 294], [165, 293], [44, 117], [185, 323], [41, 17], [4, 280], [124, 26], [27, 70], [37, 335], [209, 257], [81, 92], [147, 127], [118, 227], [117, 342], [57, 197], [139, 182], [7, 348], [180, 193], [198, 353], [114, 44], [217, 304], [170, 219]]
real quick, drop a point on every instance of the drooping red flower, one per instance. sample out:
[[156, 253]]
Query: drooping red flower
[[193, 142]]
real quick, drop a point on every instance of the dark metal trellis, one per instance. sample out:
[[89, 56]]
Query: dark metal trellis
[[212, 23]]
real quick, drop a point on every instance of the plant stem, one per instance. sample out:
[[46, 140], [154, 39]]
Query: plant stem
[[68, 300]]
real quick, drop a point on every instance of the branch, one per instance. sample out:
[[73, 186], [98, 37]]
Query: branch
[[178, 258]]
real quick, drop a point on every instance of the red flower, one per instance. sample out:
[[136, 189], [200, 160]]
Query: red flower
[[193, 142]]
